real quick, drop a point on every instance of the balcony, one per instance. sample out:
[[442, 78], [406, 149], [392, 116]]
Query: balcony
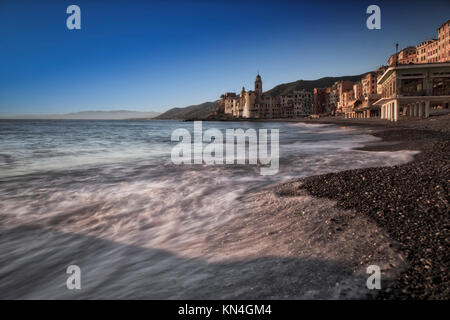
[[416, 93]]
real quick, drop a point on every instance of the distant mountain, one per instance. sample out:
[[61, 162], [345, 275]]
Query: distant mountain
[[91, 115], [309, 85], [199, 111]]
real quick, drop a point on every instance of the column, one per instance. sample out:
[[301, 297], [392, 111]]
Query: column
[[395, 108], [421, 109], [427, 109], [416, 110], [389, 111], [382, 112]]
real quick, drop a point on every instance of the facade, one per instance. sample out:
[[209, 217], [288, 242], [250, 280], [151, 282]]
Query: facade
[[342, 87], [412, 90], [347, 102], [425, 51], [432, 51], [407, 55], [294, 105], [321, 100], [334, 98], [444, 42], [392, 61]]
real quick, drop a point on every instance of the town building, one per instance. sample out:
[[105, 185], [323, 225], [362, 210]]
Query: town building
[[334, 98], [342, 87], [347, 102], [299, 103], [432, 51], [424, 49], [321, 103], [407, 55], [444, 42], [412, 90]]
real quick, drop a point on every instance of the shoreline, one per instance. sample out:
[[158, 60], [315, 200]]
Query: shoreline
[[409, 202]]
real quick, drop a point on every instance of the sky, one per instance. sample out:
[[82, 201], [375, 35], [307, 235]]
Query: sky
[[155, 55]]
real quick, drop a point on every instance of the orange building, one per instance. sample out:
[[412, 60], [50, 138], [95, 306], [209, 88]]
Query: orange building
[[423, 49], [432, 52], [407, 55], [369, 85], [444, 42]]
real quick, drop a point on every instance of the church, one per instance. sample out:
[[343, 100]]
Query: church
[[248, 104]]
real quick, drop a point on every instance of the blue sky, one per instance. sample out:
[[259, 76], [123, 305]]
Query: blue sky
[[154, 55]]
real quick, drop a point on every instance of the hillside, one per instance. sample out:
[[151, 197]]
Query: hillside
[[309, 85], [199, 111]]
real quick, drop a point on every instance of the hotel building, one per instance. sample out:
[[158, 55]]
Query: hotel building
[[412, 90]]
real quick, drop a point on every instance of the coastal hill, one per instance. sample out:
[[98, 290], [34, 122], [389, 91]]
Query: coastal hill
[[309, 85], [90, 115], [202, 111], [199, 111]]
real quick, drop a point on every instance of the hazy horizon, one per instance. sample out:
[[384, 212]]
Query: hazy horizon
[[85, 115]]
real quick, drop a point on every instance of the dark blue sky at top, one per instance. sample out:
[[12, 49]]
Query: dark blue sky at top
[[154, 55]]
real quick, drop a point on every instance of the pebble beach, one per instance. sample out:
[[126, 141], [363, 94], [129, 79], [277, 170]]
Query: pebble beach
[[409, 202]]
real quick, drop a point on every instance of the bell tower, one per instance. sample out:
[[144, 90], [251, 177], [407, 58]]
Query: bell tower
[[258, 86]]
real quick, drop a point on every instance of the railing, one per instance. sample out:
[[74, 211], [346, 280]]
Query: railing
[[441, 92], [413, 93]]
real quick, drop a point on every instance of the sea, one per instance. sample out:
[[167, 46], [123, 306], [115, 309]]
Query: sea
[[106, 197]]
